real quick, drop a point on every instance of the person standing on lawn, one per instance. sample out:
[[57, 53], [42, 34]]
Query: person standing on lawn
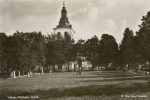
[[79, 64]]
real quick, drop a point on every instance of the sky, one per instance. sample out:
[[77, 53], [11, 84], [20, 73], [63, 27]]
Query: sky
[[87, 17]]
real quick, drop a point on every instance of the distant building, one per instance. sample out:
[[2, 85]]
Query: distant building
[[64, 25]]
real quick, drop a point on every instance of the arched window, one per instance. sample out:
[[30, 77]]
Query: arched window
[[67, 37], [66, 33], [58, 33]]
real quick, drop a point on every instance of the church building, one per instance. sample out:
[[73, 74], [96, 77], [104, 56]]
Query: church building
[[64, 25]]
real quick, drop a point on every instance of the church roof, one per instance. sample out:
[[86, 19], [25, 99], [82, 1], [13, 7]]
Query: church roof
[[64, 23]]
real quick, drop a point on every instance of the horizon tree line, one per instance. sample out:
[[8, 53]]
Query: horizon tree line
[[25, 50]]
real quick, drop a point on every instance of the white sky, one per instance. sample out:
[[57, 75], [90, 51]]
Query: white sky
[[88, 17]]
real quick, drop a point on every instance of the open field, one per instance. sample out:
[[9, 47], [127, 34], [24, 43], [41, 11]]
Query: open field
[[70, 86]]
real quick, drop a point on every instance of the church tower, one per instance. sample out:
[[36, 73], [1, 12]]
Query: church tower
[[64, 25]]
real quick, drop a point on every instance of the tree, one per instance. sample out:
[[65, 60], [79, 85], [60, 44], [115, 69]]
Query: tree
[[108, 49], [60, 50], [9, 50], [19, 53], [143, 36], [28, 50], [39, 49], [79, 47], [68, 44], [127, 48], [3, 54], [91, 50], [50, 50]]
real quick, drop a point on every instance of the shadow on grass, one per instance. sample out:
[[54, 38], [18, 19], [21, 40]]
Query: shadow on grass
[[92, 90], [4, 76], [118, 79], [113, 73], [109, 76]]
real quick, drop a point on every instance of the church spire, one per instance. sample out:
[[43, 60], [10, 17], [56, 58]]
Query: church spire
[[64, 19]]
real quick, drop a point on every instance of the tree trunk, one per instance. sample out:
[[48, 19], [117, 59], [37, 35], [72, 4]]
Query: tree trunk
[[124, 75], [105, 65], [68, 66], [19, 73], [136, 68], [47, 68], [51, 67], [11, 73], [132, 66], [145, 70], [74, 67], [23, 72], [61, 66], [54, 67], [92, 66], [7, 71]]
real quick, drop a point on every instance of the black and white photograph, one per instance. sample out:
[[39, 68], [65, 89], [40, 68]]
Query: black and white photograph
[[74, 49]]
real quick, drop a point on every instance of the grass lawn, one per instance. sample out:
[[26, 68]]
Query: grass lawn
[[91, 85]]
